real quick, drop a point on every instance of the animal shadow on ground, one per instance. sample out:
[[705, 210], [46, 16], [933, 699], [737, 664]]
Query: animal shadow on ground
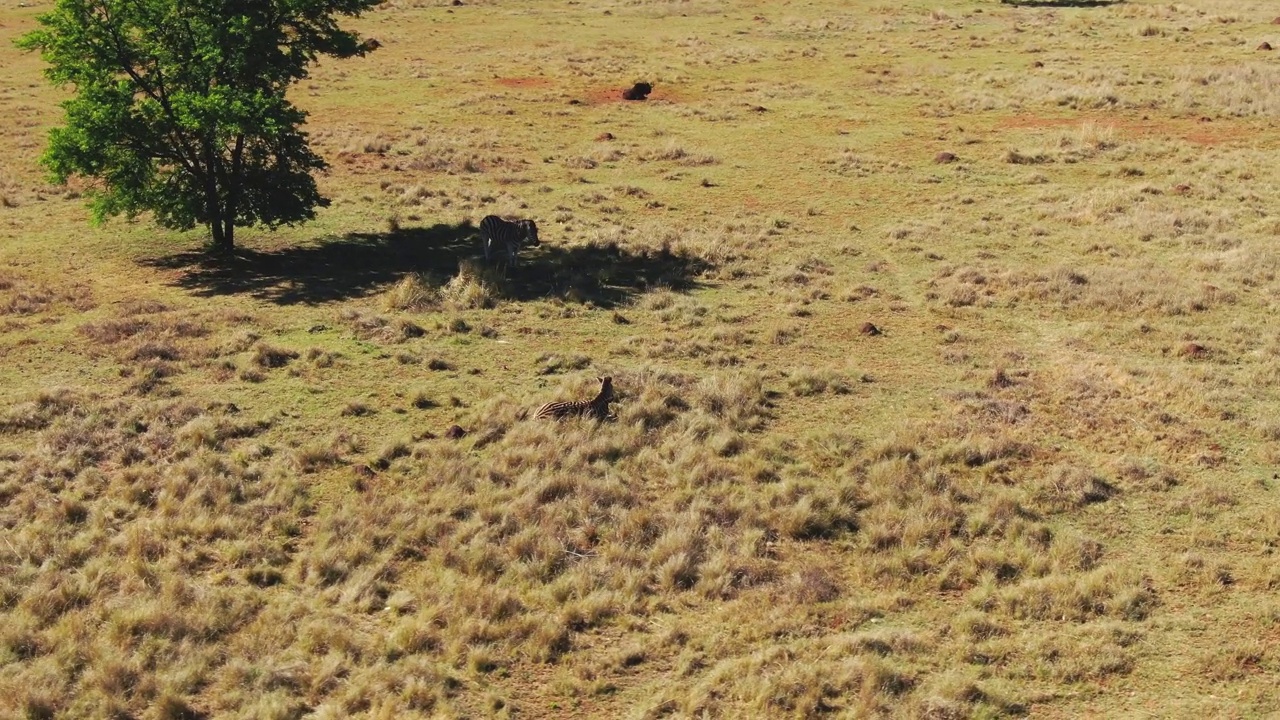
[[1061, 3], [361, 264]]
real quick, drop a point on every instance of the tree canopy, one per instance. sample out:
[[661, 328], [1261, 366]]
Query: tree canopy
[[180, 106]]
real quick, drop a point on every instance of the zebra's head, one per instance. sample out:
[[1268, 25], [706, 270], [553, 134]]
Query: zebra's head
[[606, 387], [530, 229]]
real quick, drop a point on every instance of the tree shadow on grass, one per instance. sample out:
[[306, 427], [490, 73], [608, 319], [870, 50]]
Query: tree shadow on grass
[[361, 264], [604, 275], [330, 269], [1061, 3]]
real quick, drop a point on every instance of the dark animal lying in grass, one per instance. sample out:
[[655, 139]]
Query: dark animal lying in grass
[[639, 91]]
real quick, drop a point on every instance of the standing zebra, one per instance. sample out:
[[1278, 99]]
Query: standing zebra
[[597, 408], [504, 238]]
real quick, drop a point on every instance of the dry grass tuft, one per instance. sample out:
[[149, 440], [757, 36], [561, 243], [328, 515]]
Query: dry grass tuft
[[804, 383], [474, 287], [270, 357], [414, 293]]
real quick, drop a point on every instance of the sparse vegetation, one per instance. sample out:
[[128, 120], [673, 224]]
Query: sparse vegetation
[[892, 437]]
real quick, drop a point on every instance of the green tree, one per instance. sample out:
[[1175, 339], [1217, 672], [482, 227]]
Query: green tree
[[179, 106]]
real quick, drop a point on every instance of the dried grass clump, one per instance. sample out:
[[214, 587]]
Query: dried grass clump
[[214, 433], [379, 327], [737, 400], [1069, 487], [675, 152], [270, 357], [414, 293], [1105, 592], [110, 332], [808, 382], [374, 145], [476, 286], [29, 299], [40, 412], [1017, 157], [555, 364], [856, 684]]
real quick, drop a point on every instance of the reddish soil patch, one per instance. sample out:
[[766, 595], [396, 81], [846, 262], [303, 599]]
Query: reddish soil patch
[[1190, 130], [604, 95], [524, 82]]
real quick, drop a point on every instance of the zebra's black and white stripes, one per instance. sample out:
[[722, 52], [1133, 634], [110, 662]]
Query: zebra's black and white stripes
[[597, 408], [503, 238]]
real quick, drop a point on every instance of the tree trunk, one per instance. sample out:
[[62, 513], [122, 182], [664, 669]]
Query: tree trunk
[[221, 218], [223, 236]]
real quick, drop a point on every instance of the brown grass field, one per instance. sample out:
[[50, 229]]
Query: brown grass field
[[1049, 486]]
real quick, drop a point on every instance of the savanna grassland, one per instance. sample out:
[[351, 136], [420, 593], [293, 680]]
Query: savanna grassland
[[1045, 483]]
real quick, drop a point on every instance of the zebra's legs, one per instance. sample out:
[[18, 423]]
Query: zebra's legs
[[503, 258]]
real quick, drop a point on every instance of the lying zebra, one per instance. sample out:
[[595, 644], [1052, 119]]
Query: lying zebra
[[597, 408], [503, 238]]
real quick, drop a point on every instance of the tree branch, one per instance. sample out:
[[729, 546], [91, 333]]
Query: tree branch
[[127, 63]]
